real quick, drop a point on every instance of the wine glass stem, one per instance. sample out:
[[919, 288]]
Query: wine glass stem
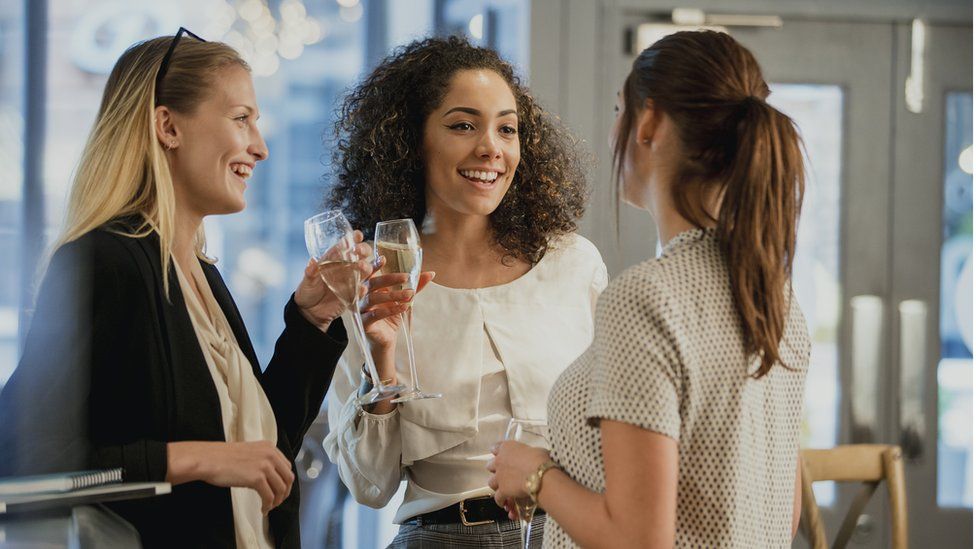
[[407, 321], [360, 332], [526, 533]]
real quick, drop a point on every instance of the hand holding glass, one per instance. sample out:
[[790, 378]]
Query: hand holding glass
[[533, 433], [399, 242], [330, 242]]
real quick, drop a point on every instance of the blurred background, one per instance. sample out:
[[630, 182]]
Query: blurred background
[[881, 91]]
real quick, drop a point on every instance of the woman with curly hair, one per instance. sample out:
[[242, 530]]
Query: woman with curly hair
[[443, 132]]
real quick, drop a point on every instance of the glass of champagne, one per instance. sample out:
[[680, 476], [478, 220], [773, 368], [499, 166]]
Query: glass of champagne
[[534, 433], [399, 242], [330, 242]]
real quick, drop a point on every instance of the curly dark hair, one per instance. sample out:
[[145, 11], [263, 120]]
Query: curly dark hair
[[379, 167]]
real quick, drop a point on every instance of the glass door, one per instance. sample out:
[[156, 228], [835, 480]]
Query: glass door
[[932, 277]]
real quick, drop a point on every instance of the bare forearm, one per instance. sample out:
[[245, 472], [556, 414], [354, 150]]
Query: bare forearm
[[579, 511], [182, 464], [586, 516]]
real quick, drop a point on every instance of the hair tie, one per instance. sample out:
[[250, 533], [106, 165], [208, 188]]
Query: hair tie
[[744, 105]]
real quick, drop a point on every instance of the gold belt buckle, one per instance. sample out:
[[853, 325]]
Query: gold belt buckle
[[464, 519]]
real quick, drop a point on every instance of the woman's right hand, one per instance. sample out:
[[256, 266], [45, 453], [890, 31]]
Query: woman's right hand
[[257, 465], [381, 308]]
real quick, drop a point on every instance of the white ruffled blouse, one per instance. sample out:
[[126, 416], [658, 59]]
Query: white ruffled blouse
[[493, 352]]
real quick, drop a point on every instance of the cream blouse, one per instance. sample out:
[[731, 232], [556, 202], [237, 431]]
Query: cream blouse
[[244, 408], [493, 353]]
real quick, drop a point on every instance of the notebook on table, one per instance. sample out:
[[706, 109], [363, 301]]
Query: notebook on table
[[58, 482], [98, 494], [20, 494]]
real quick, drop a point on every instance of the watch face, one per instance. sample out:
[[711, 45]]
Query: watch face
[[533, 485]]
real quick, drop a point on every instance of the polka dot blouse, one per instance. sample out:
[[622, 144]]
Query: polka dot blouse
[[667, 356]]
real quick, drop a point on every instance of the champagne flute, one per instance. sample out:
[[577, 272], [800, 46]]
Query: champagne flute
[[399, 242], [330, 242], [534, 433]]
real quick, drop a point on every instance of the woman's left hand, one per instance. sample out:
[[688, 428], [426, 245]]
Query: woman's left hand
[[315, 300], [511, 467]]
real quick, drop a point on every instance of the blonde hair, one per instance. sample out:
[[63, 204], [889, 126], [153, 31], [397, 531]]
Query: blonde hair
[[123, 169]]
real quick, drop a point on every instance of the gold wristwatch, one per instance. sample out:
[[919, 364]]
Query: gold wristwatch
[[533, 484]]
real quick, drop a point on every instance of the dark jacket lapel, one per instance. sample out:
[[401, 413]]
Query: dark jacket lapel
[[194, 395]]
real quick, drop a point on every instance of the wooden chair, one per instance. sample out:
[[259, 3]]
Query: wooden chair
[[866, 463]]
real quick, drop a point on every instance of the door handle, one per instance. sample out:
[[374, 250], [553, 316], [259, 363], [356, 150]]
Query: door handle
[[912, 320], [867, 322]]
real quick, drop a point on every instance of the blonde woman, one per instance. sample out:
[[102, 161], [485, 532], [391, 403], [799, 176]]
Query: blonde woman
[[137, 357]]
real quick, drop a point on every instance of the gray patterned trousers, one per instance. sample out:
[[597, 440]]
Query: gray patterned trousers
[[501, 535]]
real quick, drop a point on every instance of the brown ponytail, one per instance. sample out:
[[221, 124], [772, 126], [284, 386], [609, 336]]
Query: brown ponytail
[[757, 224], [714, 92]]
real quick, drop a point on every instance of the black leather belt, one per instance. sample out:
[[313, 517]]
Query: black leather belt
[[470, 512]]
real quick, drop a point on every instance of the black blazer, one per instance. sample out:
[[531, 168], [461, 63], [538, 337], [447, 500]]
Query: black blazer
[[112, 371]]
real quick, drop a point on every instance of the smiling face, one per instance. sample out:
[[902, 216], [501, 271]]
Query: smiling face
[[471, 144], [218, 146]]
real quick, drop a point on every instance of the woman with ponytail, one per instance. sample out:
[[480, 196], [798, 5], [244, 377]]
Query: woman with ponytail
[[137, 357], [680, 425]]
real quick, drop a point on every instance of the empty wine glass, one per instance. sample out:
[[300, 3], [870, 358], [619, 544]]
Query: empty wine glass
[[399, 242], [330, 242], [534, 433]]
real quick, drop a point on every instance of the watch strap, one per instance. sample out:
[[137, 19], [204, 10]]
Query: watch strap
[[534, 483]]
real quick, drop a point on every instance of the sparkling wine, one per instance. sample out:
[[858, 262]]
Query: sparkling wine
[[401, 258], [525, 509], [536, 434], [342, 277]]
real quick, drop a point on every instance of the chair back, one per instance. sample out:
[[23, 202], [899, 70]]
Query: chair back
[[869, 464]]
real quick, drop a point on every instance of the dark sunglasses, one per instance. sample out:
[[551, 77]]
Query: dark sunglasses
[[164, 66]]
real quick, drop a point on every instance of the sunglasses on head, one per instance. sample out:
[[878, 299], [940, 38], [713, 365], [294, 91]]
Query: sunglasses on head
[[164, 66]]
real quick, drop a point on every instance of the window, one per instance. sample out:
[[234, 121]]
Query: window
[[955, 375], [12, 35], [818, 111]]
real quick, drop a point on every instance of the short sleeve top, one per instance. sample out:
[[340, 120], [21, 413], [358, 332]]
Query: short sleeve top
[[668, 356]]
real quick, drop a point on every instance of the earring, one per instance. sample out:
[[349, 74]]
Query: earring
[[646, 141], [171, 146]]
